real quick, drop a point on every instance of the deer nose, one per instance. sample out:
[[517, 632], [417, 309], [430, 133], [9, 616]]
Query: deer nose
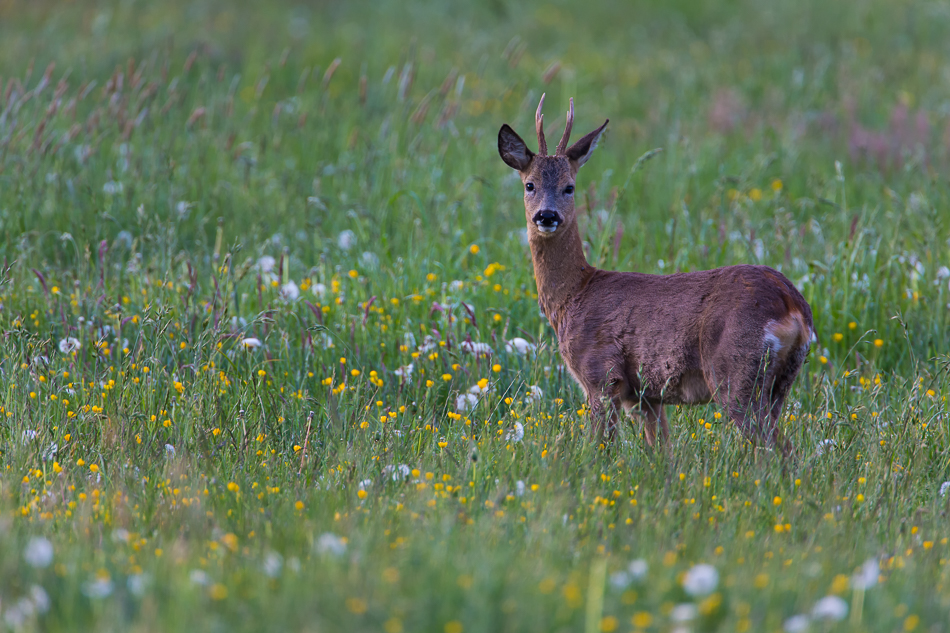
[[547, 221]]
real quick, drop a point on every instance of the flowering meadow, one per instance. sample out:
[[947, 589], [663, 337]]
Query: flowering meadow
[[270, 346]]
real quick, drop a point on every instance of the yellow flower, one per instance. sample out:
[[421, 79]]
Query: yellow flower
[[473, 249], [362, 494], [776, 185], [233, 487], [93, 468], [353, 274], [642, 619], [878, 342], [837, 336], [299, 505], [446, 377], [755, 195], [777, 501]]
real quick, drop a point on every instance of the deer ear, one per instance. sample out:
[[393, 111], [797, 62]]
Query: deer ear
[[579, 152], [513, 150]]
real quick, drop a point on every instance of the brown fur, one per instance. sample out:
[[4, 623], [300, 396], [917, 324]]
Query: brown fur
[[736, 335]]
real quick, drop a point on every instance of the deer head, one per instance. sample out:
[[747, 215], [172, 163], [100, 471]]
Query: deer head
[[548, 180]]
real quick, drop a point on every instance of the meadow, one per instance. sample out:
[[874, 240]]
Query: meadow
[[271, 351]]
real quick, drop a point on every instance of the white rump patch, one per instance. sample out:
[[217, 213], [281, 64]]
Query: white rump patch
[[772, 341]]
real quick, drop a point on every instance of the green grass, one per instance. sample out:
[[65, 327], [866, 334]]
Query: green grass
[[198, 483]]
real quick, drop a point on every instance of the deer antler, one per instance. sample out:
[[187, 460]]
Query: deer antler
[[539, 124], [562, 146]]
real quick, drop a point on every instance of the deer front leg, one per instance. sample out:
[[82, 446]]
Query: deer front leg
[[603, 418], [653, 413]]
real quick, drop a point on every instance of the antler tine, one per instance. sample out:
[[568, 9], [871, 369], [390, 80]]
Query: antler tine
[[539, 124], [562, 146]]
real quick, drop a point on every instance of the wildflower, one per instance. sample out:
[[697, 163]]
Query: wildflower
[[520, 346], [684, 612], [100, 587], [251, 343], [266, 264], [405, 372], [319, 290], [825, 446], [797, 624], [273, 563], [478, 349], [466, 402], [944, 488], [289, 291], [534, 394], [519, 488], [878, 342], [830, 608], [516, 434], [38, 552], [346, 240], [398, 473], [456, 285], [867, 575], [638, 569], [199, 577], [112, 188], [701, 580], [137, 584], [169, 451], [69, 345], [329, 543]]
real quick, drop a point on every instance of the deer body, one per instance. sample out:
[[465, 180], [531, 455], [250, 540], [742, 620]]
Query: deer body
[[736, 335]]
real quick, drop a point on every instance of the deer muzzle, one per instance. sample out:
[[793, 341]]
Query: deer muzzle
[[547, 221]]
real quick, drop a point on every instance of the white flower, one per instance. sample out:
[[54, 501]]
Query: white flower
[[465, 402], [479, 349], [519, 488], [405, 372], [684, 612], [251, 343], [319, 290], [289, 291], [69, 345], [456, 285], [98, 588], [198, 577], [619, 580], [28, 435], [478, 390], [867, 575], [112, 187], [169, 451], [266, 264], [701, 580], [370, 260], [638, 569], [272, 564], [830, 608], [944, 488], [326, 340], [516, 434], [38, 552], [364, 484], [40, 599], [330, 543], [408, 339], [398, 473], [346, 240], [943, 272], [797, 624], [137, 584], [182, 208], [428, 344], [519, 345], [825, 446], [534, 394]]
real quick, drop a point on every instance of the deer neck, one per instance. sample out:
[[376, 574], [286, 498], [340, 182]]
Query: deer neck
[[560, 269]]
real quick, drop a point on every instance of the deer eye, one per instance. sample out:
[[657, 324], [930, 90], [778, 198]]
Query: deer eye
[[529, 186], [568, 190]]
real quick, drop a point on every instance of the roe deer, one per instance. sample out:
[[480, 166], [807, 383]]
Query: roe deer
[[736, 335]]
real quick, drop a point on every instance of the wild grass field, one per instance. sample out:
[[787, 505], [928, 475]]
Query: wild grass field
[[271, 351]]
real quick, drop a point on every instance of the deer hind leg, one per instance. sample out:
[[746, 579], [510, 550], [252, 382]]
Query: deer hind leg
[[756, 406]]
